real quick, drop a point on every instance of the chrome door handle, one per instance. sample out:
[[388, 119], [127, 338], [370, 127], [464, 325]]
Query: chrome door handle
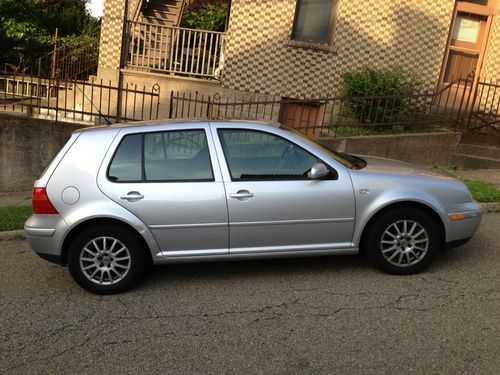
[[132, 196], [242, 194]]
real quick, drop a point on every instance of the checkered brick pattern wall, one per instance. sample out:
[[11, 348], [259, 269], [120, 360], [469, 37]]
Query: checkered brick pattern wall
[[492, 66], [111, 34], [261, 58]]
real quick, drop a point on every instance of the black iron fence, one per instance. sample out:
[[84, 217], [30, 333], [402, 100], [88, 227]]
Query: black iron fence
[[91, 101], [484, 115], [463, 104]]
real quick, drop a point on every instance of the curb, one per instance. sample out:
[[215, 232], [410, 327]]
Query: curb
[[491, 207], [12, 235]]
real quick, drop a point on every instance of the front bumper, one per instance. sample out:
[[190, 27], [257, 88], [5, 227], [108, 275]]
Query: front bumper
[[45, 234], [461, 222]]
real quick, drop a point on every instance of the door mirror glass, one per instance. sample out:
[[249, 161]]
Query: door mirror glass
[[318, 171]]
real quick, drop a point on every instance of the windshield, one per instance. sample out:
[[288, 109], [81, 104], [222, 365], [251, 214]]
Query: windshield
[[347, 160]]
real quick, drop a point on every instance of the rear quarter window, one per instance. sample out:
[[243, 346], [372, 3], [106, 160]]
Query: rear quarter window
[[126, 163]]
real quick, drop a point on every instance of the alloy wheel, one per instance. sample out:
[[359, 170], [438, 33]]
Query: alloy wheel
[[404, 243], [105, 260]]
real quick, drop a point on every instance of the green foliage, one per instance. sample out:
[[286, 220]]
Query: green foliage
[[483, 191], [27, 27], [371, 82], [205, 15], [13, 217]]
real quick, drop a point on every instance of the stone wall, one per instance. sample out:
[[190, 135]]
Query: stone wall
[[26, 147]]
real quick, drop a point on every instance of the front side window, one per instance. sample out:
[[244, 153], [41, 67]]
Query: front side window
[[314, 20], [181, 155], [255, 155]]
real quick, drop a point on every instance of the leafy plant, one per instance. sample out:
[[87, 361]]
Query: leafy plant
[[378, 95], [205, 15]]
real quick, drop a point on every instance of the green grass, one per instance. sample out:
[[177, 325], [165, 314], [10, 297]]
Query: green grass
[[483, 191], [360, 130], [13, 217]]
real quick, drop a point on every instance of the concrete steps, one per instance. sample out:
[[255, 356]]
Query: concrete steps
[[471, 156], [479, 150]]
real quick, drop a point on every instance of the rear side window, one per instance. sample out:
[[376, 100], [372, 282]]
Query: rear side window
[[179, 155]]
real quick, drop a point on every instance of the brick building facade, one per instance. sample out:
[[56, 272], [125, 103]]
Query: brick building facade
[[433, 38]]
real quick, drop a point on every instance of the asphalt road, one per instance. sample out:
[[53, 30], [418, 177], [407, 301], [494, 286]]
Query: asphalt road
[[321, 315]]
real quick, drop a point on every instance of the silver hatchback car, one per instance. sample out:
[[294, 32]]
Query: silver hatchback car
[[118, 198]]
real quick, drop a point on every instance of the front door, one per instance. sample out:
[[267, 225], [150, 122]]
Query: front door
[[273, 206], [465, 52], [170, 181]]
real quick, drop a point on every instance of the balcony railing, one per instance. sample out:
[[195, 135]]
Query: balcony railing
[[175, 50]]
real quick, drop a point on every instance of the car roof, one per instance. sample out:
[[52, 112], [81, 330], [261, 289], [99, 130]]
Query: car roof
[[140, 124]]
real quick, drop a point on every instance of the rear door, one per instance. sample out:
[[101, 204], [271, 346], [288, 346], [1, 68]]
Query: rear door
[[170, 179], [273, 205]]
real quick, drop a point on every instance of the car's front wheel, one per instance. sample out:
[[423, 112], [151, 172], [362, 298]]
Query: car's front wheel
[[106, 260], [403, 241]]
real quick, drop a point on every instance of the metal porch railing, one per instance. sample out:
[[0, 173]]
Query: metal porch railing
[[175, 50]]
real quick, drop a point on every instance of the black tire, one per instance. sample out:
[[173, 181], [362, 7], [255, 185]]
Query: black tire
[[134, 265], [421, 253]]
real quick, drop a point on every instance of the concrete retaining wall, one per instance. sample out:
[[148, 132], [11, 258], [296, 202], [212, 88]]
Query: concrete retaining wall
[[27, 145], [421, 149]]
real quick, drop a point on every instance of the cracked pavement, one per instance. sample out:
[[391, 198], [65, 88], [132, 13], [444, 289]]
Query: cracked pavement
[[316, 315]]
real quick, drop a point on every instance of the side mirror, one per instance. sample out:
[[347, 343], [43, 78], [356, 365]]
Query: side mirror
[[318, 171]]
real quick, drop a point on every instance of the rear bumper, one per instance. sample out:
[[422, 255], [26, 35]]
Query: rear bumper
[[459, 231], [45, 234]]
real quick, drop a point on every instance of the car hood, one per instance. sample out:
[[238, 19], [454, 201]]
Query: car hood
[[390, 166]]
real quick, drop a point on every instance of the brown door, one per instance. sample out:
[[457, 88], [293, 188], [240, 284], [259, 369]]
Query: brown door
[[305, 116], [465, 52]]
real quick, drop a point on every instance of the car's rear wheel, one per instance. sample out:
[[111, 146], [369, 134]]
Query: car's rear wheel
[[402, 241], [106, 260]]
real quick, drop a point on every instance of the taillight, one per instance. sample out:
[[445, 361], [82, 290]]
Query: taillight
[[41, 203]]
